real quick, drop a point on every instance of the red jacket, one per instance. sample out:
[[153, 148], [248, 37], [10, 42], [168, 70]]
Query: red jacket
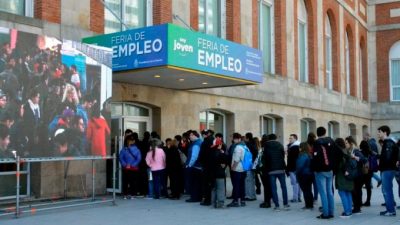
[[97, 131]]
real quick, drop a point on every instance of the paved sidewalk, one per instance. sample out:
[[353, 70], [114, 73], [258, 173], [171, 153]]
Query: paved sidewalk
[[177, 212]]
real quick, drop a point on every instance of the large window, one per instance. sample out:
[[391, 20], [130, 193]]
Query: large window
[[307, 125], [132, 13], [266, 38], [302, 41], [333, 129], [210, 17], [353, 131], [19, 7], [212, 120], [394, 69], [328, 53], [347, 52]]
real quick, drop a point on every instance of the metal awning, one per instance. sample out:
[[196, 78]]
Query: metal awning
[[170, 56]]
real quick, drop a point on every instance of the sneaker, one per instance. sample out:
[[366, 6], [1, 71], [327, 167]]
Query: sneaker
[[293, 201], [125, 197], [345, 216], [242, 203], [386, 213], [277, 209], [265, 205], [233, 204], [356, 211], [307, 208], [286, 207], [324, 217], [250, 199], [367, 204]]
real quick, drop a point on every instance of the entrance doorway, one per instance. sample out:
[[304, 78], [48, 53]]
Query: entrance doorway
[[125, 116]]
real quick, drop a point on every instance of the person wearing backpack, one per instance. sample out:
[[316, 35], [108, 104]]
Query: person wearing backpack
[[343, 180], [274, 154], [388, 162], [322, 164], [238, 174], [356, 154]]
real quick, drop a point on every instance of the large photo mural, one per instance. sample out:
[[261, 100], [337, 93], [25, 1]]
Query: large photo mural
[[53, 97]]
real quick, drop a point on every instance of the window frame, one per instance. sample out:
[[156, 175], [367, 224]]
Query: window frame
[[270, 4], [273, 120], [148, 4], [301, 9], [207, 111], [221, 18], [347, 62], [394, 55], [328, 45]]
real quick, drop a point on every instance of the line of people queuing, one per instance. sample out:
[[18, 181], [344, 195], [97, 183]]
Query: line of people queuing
[[197, 166]]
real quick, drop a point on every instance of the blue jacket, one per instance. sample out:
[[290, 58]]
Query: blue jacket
[[303, 165], [193, 154], [130, 156]]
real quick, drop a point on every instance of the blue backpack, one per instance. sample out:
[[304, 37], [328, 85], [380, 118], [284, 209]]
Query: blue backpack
[[247, 162]]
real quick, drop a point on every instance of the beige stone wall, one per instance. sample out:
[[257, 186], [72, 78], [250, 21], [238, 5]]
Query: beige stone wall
[[180, 111]]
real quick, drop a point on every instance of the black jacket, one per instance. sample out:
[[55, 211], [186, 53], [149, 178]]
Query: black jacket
[[206, 153], [273, 157], [292, 155], [389, 155], [219, 161]]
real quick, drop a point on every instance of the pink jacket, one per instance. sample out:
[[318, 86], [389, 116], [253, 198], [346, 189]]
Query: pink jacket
[[158, 163]]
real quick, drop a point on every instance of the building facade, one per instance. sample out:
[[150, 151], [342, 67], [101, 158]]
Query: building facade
[[331, 63]]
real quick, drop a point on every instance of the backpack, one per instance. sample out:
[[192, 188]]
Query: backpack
[[247, 162], [321, 160], [351, 168]]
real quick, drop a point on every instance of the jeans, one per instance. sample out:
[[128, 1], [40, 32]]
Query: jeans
[[238, 179], [347, 201], [387, 189], [158, 183], [305, 182], [315, 193], [282, 181], [250, 185], [295, 185], [218, 192], [195, 184], [324, 184]]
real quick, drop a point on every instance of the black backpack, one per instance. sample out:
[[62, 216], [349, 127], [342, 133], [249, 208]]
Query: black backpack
[[322, 160]]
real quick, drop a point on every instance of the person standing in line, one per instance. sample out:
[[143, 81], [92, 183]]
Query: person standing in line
[[304, 175], [156, 160], [356, 154], [238, 174], [323, 164], [129, 158], [219, 160], [275, 161], [388, 163], [250, 185], [292, 155], [194, 167], [366, 151], [344, 185], [264, 173]]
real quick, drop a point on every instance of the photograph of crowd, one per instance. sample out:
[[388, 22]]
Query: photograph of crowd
[[52, 97]]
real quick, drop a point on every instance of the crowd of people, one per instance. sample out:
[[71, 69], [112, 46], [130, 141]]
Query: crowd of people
[[47, 107], [196, 165]]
